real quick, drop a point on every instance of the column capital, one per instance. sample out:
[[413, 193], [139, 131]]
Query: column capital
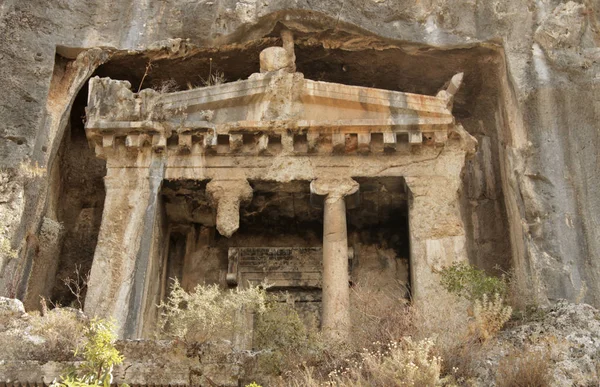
[[223, 189], [334, 188], [226, 196]]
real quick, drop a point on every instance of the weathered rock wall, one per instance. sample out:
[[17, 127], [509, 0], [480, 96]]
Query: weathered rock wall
[[546, 120]]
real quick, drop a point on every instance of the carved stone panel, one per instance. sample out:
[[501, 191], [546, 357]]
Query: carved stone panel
[[280, 267]]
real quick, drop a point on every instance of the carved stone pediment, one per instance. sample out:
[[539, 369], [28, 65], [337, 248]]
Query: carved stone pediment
[[272, 103]]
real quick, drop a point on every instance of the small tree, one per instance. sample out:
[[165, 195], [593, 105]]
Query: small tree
[[100, 356], [487, 295]]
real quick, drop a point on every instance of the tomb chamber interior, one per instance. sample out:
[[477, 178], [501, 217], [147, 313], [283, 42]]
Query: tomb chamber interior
[[280, 239]]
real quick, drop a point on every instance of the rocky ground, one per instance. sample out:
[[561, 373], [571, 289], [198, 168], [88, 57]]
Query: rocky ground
[[566, 334]]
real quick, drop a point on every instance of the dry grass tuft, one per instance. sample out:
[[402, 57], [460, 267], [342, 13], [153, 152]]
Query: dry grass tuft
[[380, 315], [490, 315], [53, 336], [167, 86], [525, 368]]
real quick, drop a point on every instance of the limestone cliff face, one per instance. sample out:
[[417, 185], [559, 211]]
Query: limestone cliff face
[[530, 193]]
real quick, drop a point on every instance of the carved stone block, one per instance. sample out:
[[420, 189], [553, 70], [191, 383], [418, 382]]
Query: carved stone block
[[278, 266], [185, 141], [364, 142], [338, 141], [236, 141], [415, 137]]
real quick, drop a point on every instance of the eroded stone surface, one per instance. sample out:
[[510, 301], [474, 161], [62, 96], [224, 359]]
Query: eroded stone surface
[[567, 334], [226, 196], [532, 165]]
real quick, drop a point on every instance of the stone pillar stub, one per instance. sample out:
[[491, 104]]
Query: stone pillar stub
[[226, 196], [336, 293]]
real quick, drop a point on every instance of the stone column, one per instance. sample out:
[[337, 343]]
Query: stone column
[[437, 234], [335, 317], [127, 241], [227, 196]]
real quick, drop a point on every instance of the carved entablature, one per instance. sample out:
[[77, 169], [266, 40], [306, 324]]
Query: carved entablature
[[270, 112]]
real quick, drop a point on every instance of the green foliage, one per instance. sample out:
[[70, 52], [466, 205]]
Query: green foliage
[[208, 312], [280, 331], [99, 356], [280, 327], [253, 384], [471, 283]]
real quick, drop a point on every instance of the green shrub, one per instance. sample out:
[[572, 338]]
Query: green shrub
[[281, 333], [208, 312], [99, 354], [280, 327], [471, 283]]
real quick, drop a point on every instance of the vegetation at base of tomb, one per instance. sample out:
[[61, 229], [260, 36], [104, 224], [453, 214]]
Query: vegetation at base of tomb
[[486, 293], [490, 315], [404, 363], [51, 336], [283, 337], [524, 368], [99, 357], [208, 312], [467, 281], [392, 342], [253, 384], [405, 356]]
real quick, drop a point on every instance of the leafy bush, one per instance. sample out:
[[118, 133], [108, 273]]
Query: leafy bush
[[471, 283], [281, 334], [208, 312], [100, 356], [279, 327]]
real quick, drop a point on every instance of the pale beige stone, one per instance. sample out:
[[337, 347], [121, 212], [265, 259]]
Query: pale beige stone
[[336, 288], [273, 59], [227, 196]]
